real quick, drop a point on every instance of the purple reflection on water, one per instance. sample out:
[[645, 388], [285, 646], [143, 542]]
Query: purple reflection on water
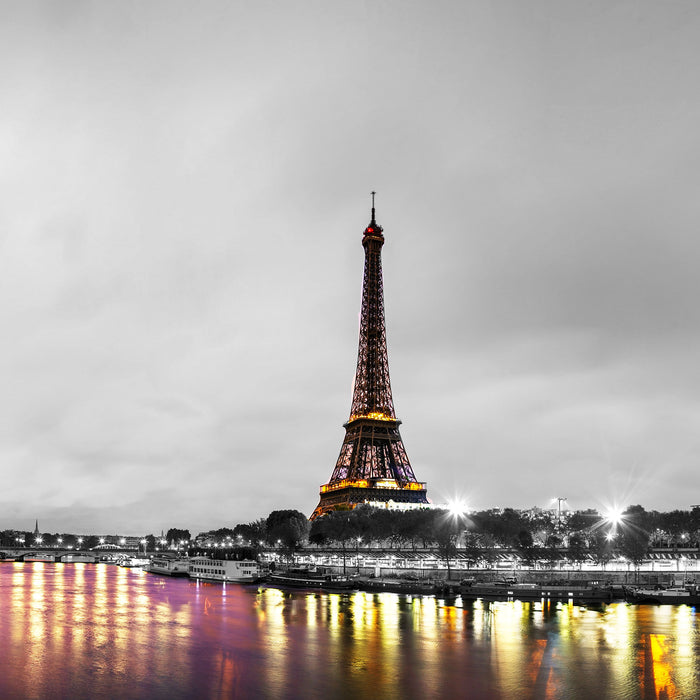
[[98, 631]]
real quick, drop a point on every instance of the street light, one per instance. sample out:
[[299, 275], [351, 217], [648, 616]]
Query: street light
[[613, 516], [357, 557], [457, 508], [560, 500]]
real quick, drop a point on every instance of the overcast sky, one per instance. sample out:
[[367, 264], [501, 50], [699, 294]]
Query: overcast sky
[[184, 188]]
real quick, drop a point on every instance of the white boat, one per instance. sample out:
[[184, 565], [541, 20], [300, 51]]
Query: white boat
[[169, 565], [40, 556], [133, 562], [79, 558], [225, 570]]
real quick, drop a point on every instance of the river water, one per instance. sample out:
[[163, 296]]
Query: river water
[[98, 631]]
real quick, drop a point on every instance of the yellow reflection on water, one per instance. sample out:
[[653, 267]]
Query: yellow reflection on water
[[115, 624], [121, 591], [78, 612], [100, 605], [684, 656], [364, 613], [17, 605], [37, 603], [312, 611], [271, 617], [510, 656], [662, 667], [333, 615], [73, 624]]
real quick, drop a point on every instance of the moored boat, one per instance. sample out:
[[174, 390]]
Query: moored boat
[[224, 570], [133, 562], [39, 556], [502, 590], [169, 565], [407, 587], [673, 595], [79, 557], [310, 578]]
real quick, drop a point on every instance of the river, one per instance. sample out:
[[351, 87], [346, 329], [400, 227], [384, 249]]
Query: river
[[99, 631]]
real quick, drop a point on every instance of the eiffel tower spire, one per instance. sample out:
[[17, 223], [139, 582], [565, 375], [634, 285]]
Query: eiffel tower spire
[[373, 466]]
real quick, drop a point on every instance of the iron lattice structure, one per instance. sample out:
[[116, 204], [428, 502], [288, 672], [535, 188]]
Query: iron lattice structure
[[373, 465]]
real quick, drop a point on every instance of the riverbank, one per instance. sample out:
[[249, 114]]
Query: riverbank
[[428, 581]]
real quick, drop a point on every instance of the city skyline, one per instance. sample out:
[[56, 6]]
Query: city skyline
[[181, 263]]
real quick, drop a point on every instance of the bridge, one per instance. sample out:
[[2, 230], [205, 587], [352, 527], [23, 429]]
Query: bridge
[[57, 553]]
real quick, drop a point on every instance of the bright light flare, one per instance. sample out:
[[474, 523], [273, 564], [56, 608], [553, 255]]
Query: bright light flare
[[614, 516], [457, 508]]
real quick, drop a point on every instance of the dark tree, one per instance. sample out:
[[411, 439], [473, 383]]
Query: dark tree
[[445, 532], [543, 528], [577, 548], [552, 550], [385, 526], [633, 540], [363, 519], [583, 521], [69, 541], [176, 536], [7, 538], [415, 526], [224, 532], [504, 526], [677, 525], [338, 527], [288, 528], [254, 533], [525, 546], [600, 546], [694, 524]]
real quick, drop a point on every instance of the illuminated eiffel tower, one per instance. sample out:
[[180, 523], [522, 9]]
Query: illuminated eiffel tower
[[372, 466]]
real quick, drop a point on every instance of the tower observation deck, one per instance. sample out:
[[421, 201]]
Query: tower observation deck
[[373, 466]]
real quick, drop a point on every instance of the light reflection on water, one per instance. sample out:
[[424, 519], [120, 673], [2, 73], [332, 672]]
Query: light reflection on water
[[97, 631]]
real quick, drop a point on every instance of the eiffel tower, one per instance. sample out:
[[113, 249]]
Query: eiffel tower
[[373, 466]]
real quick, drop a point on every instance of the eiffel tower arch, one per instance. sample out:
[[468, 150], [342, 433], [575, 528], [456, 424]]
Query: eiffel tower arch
[[373, 466]]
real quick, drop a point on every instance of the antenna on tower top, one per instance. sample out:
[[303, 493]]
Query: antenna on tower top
[[373, 221]]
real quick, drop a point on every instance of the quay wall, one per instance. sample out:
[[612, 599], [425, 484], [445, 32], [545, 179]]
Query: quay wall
[[662, 566], [522, 575]]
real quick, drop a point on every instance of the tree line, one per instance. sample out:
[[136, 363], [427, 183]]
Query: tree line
[[531, 534]]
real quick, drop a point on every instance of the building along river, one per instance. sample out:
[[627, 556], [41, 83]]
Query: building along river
[[99, 631]]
